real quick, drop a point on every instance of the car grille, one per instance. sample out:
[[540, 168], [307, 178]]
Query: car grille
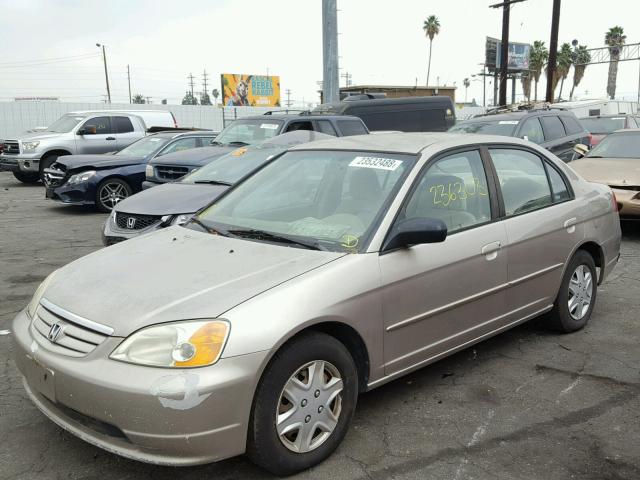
[[11, 147], [74, 340], [54, 177], [169, 173], [130, 221]]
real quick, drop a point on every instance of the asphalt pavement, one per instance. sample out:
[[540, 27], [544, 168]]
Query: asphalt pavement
[[527, 404]]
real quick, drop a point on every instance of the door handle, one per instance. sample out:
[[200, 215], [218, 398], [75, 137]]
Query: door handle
[[570, 224], [490, 250], [110, 138]]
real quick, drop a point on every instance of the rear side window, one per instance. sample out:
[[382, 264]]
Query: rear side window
[[532, 130], [571, 125], [123, 124], [102, 124], [553, 127], [325, 126], [351, 127], [559, 189]]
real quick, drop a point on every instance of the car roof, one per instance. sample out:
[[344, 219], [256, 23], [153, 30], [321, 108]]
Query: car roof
[[517, 115], [610, 115], [174, 133], [298, 116], [407, 143]]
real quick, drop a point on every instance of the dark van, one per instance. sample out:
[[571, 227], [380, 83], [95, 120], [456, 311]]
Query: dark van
[[406, 114]]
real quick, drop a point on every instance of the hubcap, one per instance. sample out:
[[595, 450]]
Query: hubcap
[[309, 406], [580, 292], [112, 193]]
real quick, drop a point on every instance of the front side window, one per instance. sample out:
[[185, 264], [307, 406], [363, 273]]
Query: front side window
[[532, 130], [330, 199], [295, 126], [102, 124], [454, 190], [523, 180]]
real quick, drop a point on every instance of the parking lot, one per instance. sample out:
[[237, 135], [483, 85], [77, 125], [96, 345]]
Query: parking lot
[[527, 404]]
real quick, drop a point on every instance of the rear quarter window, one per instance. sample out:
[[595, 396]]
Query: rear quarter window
[[553, 127], [572, 125]]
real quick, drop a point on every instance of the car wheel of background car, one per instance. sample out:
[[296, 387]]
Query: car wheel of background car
[[46, 162], [27, 177], [577, 295], [110, 192], [303, 405]]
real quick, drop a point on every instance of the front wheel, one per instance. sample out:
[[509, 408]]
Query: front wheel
[[303, 405], [110, 192], [27, 177], [577, 295]]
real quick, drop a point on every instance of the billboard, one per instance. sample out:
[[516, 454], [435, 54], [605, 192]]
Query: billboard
[[241, 90], [518, 56]]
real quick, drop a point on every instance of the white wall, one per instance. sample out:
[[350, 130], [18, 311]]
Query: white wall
[[16, 117]]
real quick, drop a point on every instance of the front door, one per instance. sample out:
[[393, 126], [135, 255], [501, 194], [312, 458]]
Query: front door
[[104, 140], [440, 296]]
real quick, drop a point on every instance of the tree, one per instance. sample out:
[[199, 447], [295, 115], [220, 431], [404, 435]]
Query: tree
[[538, 56], [581, 57], [431, 28], [189, 99], [614, 39], [138, 98], [525, 78], [205, 99], [466, 82], [564, 61], [215, 94]]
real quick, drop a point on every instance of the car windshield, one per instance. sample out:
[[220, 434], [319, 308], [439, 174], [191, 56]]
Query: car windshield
[[65, 124], [327, 200], [602, 124], [618, 145], [144, 147], [494, 127], [248, 132]]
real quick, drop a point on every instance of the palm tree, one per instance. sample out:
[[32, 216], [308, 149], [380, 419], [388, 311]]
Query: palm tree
[[614, 39], [215, 94], [581, 57], [466, 82], [563, 65], [431, 28], [525, 78], [138, 98], [538, 56]]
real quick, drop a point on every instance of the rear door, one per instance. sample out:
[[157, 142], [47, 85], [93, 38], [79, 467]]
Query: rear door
[[125, 132], [104, 140]]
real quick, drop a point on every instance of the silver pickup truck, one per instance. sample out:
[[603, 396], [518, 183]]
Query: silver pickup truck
[[77, 133]]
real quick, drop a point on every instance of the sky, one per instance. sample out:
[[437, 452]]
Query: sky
[[380, 42]]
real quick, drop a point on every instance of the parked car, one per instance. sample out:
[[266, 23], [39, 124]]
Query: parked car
[[602, 125], [556, 130], [405, 114], [252, 130], [176, 202], [105, 180], [28, 155], [339, 266], [616, 162]]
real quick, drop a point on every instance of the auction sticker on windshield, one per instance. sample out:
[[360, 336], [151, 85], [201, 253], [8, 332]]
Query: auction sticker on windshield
[[376, 162], [270, 126]]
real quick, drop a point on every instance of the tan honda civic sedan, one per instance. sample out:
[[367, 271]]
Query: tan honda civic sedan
[[339, 266]]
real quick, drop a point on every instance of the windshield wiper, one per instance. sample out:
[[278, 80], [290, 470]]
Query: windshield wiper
[[207, 228], [237, 142], [593, 156], [214, 182], [215, 142], [262, 235]]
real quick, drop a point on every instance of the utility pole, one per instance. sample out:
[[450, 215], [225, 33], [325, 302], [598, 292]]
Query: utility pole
[[129, 81], [553, 49], [504, 50], [190, 77], [106, 75], [347, 78], [288, 93], [330, 78], [204, 82]]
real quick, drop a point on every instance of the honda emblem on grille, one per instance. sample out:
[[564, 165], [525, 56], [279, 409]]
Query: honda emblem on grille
[[54, 332], [131, 222]]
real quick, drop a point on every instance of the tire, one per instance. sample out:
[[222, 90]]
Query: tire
[[27, 177], [265, 447], [46, 162], [575, 284], [110, 192]]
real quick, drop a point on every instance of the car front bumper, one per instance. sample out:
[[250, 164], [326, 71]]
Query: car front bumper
[[155, 415], [112, 234], [79, 194], [15, 163]]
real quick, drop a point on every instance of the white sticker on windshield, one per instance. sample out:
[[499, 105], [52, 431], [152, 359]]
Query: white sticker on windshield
[[376, 162], [155, 139], [617, 118], [270, 126], [508, 122]]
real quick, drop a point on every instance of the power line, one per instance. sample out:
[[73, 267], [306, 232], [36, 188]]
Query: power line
[[52, 59]]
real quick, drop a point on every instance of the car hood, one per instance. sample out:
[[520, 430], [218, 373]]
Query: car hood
[[193, 157], [175, 274], [171, 199], [609, 171], [30, 136], [98, 161]]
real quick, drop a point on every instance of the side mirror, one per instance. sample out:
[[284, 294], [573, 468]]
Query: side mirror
[[416, 231], [88, 130], [581, 149], [525, 137]]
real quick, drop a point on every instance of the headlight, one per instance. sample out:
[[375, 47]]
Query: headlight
[[30, 145], [181, 219], [35, 300], [80, 177], [193, 343], [148, 171]]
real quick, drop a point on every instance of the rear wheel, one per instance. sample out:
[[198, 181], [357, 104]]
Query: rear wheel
[[303, 405], [577, 295], [27, 177], [110, 192]]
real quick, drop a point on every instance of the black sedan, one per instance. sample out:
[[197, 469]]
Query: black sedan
[[175, 203], [104, 180]]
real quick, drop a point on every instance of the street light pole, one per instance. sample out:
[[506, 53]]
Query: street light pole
[[106, 75], [553, 50]]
